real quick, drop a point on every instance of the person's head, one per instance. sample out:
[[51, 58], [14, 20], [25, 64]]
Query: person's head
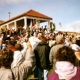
[[39, 35], [51, 36], [68, 38], [74, 41], [18, 46], [43, 40], [65, 53], [59, 39], [6, 58]]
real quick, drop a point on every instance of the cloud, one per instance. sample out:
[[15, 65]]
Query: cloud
[[13, 1], [74, 27]]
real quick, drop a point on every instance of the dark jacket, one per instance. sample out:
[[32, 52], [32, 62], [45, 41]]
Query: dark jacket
[[42, 56]]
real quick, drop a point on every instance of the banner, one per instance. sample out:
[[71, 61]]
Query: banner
[[52, 26]]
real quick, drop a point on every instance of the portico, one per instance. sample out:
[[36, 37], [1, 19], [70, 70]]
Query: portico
[[24, 20]]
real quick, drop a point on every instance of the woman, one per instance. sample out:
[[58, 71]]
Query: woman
[[20, 72], [65, 65], [5, 63], [18, 57]]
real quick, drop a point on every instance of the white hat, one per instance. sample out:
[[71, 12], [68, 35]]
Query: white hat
[[34, 42]]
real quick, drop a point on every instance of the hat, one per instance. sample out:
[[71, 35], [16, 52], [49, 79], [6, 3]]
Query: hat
[[34, 42]]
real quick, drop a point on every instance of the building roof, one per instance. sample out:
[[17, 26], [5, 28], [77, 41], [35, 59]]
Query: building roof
[[30, 13], [1, 21]]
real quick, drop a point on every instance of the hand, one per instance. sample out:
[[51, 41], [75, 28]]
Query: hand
[[29, 45]]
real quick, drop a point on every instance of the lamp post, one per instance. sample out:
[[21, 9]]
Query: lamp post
[[9, 14]]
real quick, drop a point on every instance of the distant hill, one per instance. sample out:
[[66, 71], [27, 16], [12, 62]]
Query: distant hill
[[73, 27]]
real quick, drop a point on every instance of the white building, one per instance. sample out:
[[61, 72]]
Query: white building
[[25, 19]]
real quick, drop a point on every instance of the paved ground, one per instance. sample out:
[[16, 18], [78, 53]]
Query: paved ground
[[32, 78]]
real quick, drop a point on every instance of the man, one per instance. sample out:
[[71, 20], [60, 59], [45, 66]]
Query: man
[[42, 58], [59, 43]]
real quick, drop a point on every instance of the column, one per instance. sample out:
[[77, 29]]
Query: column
[[37, 24], [25, 23], [15, 26], [49, 24], [8, 27]]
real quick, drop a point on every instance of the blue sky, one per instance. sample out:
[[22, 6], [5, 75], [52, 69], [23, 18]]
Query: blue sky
[[66, 12]]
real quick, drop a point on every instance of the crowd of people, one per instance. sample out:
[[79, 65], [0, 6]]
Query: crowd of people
[[39, 49]]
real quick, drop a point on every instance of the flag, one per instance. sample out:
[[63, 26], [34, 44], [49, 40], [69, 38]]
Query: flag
[[52, 26], [33, 22], [60, 24]]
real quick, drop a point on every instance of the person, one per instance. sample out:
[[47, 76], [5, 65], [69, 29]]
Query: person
[[5, 63], [78, 42], [1, 40], [20, 72], [77, 54], [18, 56], [74, 45], [51, 41], [67, 40], [76, 48], [65, 65], [34, 41], [59, 43], [42, 58]]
